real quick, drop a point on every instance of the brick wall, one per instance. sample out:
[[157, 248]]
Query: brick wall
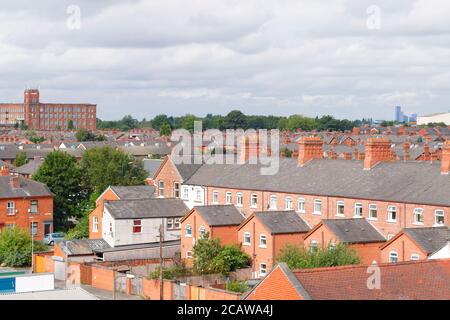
[[404, 247], [275, 286], [169, 174], [98, 213], [102, 278], [151, 289], [22, 218]]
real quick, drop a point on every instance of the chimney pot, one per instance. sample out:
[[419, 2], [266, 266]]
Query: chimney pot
[[445, 157]]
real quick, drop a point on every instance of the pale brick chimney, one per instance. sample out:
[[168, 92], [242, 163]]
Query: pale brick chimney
[[14, 182], [4, 171], [309, 148], [377, 150], [445, 158]]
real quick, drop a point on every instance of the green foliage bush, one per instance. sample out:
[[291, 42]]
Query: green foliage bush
[[237, 286], [171, 272], [300, 258], [15, 247]]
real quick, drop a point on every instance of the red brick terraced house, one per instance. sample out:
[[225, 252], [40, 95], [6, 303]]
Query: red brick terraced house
[[391, 195], [403, 281], [25, 204], [357, 233], [412, 244], [264, 234], [219, 221]]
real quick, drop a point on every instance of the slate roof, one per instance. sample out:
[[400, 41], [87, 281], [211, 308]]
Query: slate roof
[[408, 182], [28, 188], [401, 281], [280, 222], [220, 215], [82, 246], [430, 239], [356, 230], [151, 166], [142, 209], [187, 170], [30, 168], [134, 192]]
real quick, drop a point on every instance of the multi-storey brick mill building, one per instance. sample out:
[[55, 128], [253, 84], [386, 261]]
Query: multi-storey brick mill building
[[47, 116]]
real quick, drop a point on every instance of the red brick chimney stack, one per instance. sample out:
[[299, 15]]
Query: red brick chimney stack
[[406, 148], [445, 160], [309, 148], [377, 150], [4, 171], [250, 148]]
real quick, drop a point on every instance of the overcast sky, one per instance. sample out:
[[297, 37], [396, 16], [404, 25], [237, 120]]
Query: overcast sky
[[313, 57]]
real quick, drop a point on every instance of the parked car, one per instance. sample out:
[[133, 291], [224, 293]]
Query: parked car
[[52, 237]]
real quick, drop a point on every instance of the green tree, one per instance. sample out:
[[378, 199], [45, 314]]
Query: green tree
[[102, 167], [33, 137], [70, 125], [165, 130], [61, 174], [188, 122], [211, 257], [21, 159], [81, 229], [331, 256], [86, 135], [158, 121], [15, 247], [237, 286], [235, 120]]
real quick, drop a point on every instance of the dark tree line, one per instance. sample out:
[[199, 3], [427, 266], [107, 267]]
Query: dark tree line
[[234, 120]]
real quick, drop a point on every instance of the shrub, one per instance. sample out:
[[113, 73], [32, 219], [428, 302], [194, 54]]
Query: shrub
[[15, 247], [171, 272], [237, 286], [300, 258]]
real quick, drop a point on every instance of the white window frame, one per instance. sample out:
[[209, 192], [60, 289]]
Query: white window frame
[[228, 198], [373, 207], [254, 200], [186, 229], [340, 204], [202, 232], [391, 254], [301, 205], [261, 244], [198, 195], [273, 202], [161, 194], [215, 197], [94, 224], [177, 224], [262, 270], [239, 199], [170, 224], [288, 203], [188, 254], [418, 212], [313, 245], [245, 235], [392, 209], [440, 215], [317, 202], [185, 193], [36, 206], [10, 209], [414, 257], [358, 206]]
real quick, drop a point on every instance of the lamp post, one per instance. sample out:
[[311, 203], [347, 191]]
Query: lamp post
[[32, 245]]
